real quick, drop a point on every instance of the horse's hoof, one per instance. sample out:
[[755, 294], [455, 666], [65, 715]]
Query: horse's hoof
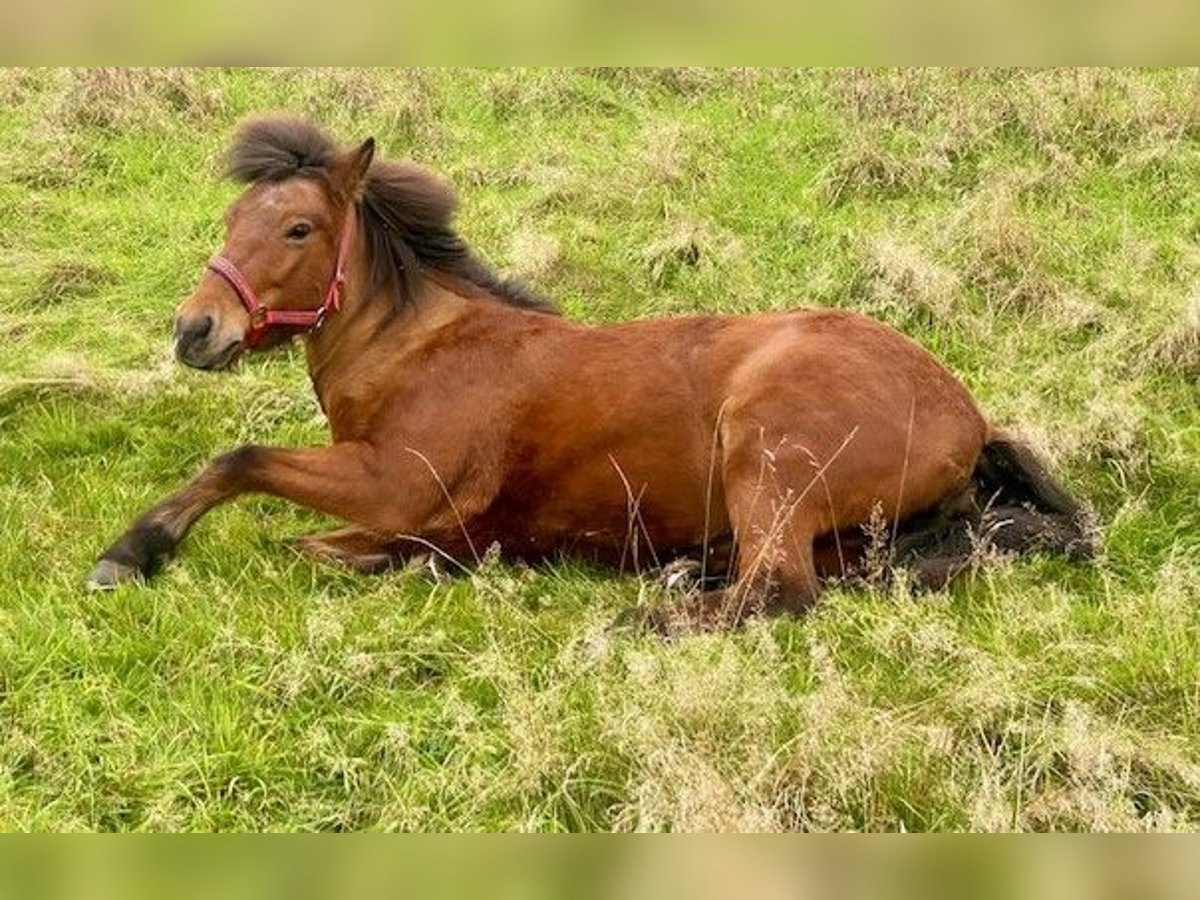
[[110, 574], [681, 576]]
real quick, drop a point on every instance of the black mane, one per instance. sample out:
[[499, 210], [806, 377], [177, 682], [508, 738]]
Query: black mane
[[407, 210]]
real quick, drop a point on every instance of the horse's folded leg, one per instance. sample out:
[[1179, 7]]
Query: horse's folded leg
[[331, 480], [357, 548]]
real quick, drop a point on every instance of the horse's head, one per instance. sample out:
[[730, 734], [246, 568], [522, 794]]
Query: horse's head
[[287, 239]]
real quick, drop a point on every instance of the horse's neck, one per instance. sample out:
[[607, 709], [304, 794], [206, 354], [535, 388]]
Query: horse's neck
[[368, 340]]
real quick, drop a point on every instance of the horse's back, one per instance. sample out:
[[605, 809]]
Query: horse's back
[[820, 360]]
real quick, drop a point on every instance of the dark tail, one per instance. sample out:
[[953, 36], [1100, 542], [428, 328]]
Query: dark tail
[[1025, 508], [1015, 505]]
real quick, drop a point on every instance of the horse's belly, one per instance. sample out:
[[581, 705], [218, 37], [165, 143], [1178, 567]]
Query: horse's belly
[[635, 509]]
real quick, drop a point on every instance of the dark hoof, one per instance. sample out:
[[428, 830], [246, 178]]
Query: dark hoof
[[682, 576], [139, 553], [110, 574]]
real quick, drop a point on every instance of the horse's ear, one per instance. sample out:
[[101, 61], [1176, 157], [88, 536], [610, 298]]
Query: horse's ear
[[352, 167]]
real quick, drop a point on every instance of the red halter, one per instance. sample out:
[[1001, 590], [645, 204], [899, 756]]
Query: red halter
[[263, 319]]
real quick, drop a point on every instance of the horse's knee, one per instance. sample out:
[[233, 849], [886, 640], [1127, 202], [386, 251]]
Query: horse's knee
[[235, 467]]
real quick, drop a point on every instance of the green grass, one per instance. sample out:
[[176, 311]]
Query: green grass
[[1038, 231]]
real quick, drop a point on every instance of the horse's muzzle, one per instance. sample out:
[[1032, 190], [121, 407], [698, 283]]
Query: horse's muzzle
[[197, 344]]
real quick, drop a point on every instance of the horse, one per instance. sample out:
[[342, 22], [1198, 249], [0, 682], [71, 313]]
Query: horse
[[465, 412]]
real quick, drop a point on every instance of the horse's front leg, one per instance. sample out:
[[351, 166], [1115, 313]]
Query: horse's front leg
[[340, 480]]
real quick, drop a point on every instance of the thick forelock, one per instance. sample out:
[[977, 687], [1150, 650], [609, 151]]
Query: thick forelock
[[272, 148]]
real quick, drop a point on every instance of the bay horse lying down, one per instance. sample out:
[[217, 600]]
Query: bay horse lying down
[[465, 412]]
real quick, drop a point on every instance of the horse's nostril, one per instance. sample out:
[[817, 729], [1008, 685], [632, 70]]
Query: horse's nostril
[[189, 331]]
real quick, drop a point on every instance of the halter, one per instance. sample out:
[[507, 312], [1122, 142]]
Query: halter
[[302, 320]]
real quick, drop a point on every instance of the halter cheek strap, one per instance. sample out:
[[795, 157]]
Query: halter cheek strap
[[263, 319]]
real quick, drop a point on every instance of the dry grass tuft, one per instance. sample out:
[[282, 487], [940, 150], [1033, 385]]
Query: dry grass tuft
[[689, 82], [1067, 114], [553, 186], [48, 156], [70, 375], [680, 789], [691, 243], [56, 151], [67, 280], [1110, 428], [1113, 428], [940, 110], [908, 97], [668, 151], [1074, 310], [897, 277], [1112, 115], [1178, 348], [18, 86], [12, 328], [398, 102], [696, 724], [1103, 775], [704, 736], [534, 718], [111, 98], [865, 169], [514, 93], [532, 254], [842, 744], [16, 393], [1004, 256], [551, 183]]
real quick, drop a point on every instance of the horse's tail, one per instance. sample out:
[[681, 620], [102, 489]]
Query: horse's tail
[[1026, 508]]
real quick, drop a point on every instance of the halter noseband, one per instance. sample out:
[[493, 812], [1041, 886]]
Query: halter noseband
[[263, 319]]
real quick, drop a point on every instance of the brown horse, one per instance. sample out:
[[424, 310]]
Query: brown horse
[[465, 412]]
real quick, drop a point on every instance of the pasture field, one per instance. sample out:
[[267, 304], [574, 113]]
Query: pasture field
[[1038, 231]]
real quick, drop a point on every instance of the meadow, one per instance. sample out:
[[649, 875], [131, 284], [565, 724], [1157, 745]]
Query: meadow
[[1038, 231]]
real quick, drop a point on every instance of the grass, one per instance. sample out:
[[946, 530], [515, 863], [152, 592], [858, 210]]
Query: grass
[[1039, 231]]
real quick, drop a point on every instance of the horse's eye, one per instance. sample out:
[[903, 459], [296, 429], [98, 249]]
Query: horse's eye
[[299, 231]]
